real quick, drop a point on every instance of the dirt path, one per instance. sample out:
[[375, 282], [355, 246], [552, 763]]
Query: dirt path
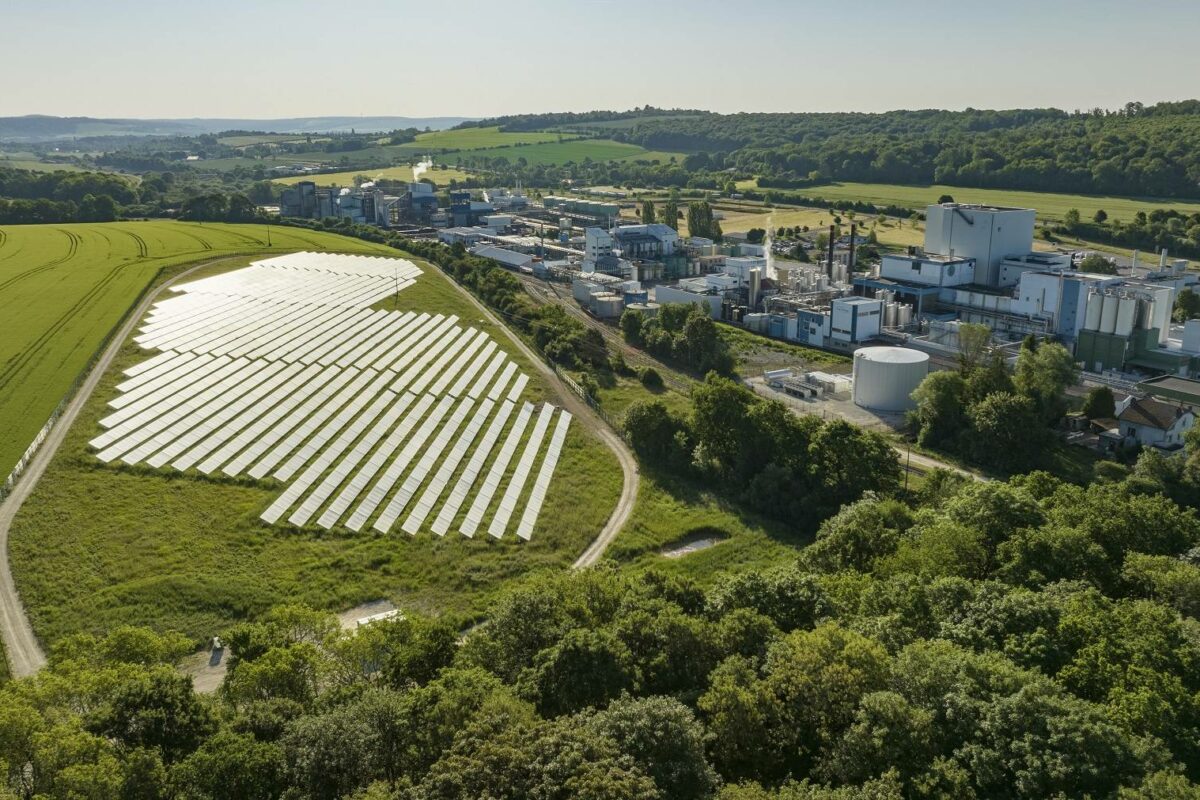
[[583, 412], [25, 654]]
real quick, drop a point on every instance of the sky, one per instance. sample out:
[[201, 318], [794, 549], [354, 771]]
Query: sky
[[270, 58]]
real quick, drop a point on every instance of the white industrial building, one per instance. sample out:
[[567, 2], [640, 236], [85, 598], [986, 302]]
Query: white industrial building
[[987, 234]]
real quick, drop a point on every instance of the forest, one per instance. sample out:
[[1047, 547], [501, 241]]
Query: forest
[[1020, 639], [1136, 150]]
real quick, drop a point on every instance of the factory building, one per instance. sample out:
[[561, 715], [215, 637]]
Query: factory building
[[466, 211], [652, 241], [986, 234], [299, 201], [590, 211], [367, 205]]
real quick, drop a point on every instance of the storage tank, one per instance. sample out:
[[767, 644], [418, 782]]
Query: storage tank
[[1091, 317], [1108, 313], [645, 309], [885, 377], [1126, 313], [607, 305], [1191, 336]]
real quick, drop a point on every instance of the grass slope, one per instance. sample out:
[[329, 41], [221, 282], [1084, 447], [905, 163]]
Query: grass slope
[[64, 287], [440, 177], [1049, 205], [96, 546]]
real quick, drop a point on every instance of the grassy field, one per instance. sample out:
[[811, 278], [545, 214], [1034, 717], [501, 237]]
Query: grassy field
[[64, 287], [1049, 205], [37, 166], [97, 546], [562, 152], [441, 177], [474, 138]]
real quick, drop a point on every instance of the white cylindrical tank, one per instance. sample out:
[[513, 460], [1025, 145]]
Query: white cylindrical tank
[[905, 315], [1126, 313], [1191, 336], [1108, 313], [1091, 317], [885, 377], [607, 305]]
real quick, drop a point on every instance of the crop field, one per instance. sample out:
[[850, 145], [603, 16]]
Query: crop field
[[246, 140], [440, 177], [1050, 206], [138, 539], [64, 287], [37, 166], [473, 138], [575, 150]]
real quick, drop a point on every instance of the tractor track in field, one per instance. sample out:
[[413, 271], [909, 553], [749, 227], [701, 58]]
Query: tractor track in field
[[25, 654], [13, 366], [73, 241], [143, 249]]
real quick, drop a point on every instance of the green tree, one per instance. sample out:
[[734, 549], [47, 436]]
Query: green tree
[[1187, 305], [1071, 218], [1100, 217], [648, 212], [940, 409], [654, 432], [1006, 432], [664, 740], [233, 766], [588, 668], [974, 345], [1099, 403], [670, 213], [1098, 264], [1043, 376]]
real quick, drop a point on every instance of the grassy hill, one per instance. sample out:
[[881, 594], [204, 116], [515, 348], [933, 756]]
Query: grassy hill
[[1051, 206], [64, 287], [97, 545]]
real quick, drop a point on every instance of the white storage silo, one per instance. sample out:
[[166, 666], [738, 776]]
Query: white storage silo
[[1126, 313], [1091, 318], [1108, 313], [885, 377]]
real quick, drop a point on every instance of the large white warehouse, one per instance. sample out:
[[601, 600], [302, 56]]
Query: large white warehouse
[[885, 377]]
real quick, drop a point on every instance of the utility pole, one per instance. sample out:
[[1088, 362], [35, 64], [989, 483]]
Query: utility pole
[[907, 466]]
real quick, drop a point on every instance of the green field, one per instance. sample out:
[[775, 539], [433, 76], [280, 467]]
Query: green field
[[440, 177], [64, 287], [1050, 206], [98, 545], [575, 150], [37, 166], [451, 147], [474, 138]]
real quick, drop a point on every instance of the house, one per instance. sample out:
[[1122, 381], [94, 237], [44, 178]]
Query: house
[[1153, 423]]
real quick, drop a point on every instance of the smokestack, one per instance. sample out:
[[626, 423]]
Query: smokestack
[[829, 255], [850, 260], [1162, 259]]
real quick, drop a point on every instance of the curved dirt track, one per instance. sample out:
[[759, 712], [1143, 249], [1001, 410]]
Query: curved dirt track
[[25, 655], [583, 412]]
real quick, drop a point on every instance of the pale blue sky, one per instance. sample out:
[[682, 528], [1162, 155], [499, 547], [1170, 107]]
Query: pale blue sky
[[277, 58]]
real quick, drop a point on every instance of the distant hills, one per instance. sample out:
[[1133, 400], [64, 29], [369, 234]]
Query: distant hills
[[37, 127]]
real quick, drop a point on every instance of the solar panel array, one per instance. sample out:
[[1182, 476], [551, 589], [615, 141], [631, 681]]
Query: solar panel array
[[369, 418]]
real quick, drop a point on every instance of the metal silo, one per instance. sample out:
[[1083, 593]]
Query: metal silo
[[885, 377]]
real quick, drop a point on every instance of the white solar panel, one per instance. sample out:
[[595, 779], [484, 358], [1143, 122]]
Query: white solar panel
[[421, 470], [281, 368], [541, 483], [392, 474], [496, 474], [508, 503]]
